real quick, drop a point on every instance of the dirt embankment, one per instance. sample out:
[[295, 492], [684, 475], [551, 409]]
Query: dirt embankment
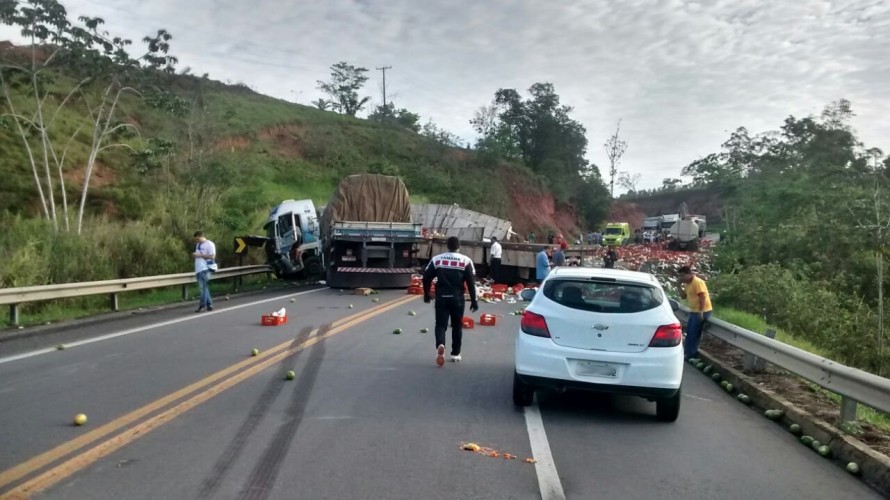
[[532, 208], [623, 211]]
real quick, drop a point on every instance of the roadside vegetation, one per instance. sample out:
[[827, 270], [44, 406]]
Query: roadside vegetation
[[114, 156]]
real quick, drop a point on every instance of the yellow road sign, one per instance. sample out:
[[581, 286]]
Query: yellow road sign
[[240, 245]]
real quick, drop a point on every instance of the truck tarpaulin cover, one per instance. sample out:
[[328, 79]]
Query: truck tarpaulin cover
[[368, 198]]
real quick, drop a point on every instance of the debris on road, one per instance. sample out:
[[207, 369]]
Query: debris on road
[[80, 419]]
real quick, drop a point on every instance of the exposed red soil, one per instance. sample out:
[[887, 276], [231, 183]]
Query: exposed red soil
[[102, 175], [232, 144], [624, 211], [287, 138], [534, 209]]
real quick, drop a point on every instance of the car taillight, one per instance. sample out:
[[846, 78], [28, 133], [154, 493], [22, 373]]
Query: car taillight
[[534, 324], [667, 336]]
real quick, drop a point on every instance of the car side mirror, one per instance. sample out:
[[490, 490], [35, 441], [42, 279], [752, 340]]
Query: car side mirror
[[674, 305], [527, 294]]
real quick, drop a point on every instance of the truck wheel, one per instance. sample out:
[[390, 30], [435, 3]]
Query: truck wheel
[[313, 267]]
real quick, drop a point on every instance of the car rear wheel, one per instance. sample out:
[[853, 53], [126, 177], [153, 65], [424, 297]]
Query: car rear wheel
[[668, 409], [523, 394]]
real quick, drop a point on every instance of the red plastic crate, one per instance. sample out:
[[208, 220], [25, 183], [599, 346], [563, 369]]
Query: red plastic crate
[[499, 288], [415, 290], [269, 320], [487, 320], [468, 323]]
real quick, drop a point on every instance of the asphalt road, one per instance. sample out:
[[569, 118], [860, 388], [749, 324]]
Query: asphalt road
[[178, 408]]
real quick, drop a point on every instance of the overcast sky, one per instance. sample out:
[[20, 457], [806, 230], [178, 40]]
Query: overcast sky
[[679, 74]]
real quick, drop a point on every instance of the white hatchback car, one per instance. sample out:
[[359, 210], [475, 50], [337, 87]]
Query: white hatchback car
[[605, 330]]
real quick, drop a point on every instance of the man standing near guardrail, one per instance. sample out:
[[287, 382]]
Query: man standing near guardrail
[[696, 294], [204, 254]]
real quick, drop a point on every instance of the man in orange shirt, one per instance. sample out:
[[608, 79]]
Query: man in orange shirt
[[696, 294]]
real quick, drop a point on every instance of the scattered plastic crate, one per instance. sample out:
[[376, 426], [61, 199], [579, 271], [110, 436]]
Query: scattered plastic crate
[[487, 320], [270, 320], [468, 323]]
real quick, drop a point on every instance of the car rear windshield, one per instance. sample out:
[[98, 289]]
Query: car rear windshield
[[603, 296]]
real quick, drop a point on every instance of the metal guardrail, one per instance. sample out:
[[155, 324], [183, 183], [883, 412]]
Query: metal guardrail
[[853, 385], [13, 297]]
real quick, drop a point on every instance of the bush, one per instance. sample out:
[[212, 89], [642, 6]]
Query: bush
[[838, 323]]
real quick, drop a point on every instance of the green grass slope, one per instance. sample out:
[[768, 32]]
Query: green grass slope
[[226, 163]]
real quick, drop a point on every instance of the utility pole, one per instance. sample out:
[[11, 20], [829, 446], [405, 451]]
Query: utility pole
[[383, 69]]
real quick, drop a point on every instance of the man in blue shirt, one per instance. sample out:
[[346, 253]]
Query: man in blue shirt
[[542, 264]]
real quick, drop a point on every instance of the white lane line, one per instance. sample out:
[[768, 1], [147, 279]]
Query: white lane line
[[548, 478], [191, 317]]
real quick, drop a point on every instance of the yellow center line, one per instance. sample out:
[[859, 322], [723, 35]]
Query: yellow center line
[[30, 466]]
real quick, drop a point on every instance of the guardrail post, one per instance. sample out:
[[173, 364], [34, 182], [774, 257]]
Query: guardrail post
[[14, 314], [759, 363], [849, 407], [113, 301], [749, 362], [185, 292]]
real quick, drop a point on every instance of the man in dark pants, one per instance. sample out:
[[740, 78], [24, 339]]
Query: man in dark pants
[[452, 270], [496, 253]]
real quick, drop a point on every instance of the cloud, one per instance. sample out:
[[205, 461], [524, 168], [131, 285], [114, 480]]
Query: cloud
[[681, 74]]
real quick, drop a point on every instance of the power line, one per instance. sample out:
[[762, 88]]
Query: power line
[[383, 69]]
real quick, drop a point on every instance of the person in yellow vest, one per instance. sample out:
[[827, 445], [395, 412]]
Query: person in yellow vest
[[696, 294]]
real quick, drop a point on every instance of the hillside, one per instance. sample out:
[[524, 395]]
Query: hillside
[[252, 151]]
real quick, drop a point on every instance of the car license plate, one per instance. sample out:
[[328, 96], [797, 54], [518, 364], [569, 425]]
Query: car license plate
[[347, 258], [597, 369]]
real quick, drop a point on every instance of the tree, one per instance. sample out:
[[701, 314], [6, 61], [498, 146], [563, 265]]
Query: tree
[[615, 149], [346, 80], [104, 72], [440, 135], [669, 184], [322, 104], [539, 132], [629, 181], [402, 117]]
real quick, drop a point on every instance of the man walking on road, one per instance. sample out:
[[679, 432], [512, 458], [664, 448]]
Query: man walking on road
[[495, 259], [204, 255], [696, 294], [451, 270]]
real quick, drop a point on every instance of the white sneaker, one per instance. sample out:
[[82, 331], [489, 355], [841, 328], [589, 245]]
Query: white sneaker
[[440, 355], [455, 359]]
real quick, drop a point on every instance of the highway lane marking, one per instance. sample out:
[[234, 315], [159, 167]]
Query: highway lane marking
[[79, 462], [138, 329], [545, 468], [40, 461]]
